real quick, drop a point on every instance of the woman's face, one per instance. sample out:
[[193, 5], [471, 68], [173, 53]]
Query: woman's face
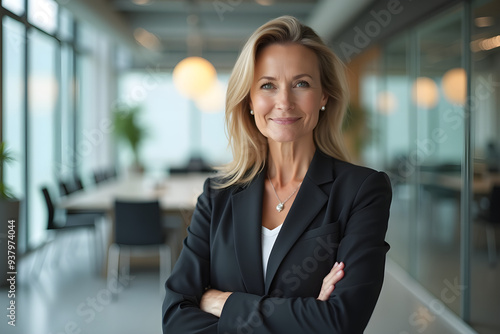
[[286, 94]]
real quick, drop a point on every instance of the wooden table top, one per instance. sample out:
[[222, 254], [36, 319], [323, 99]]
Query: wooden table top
[[175, 193]]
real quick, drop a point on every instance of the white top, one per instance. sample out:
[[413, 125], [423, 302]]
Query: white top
[[268, 240]]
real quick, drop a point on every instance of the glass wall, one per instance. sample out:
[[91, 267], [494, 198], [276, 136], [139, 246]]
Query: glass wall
[[420, 142], [15, 6], [485, 108], [13, 105], [417, 99], [396, 114], [40, 59], [177, 129], [42, 97], [438, 92]]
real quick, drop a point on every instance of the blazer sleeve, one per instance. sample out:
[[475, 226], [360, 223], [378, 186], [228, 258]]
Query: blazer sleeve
[[190, 277], [350, 306]]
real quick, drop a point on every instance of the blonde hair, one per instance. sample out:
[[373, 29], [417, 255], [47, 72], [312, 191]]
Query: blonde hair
[[248, 145]]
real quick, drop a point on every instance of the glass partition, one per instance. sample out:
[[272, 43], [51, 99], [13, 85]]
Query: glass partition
[[485, 108], [439, 94], [396, 113], [417, 122]]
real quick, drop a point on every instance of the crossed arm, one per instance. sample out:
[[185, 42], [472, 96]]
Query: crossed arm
[[344, 303], [213, 300]]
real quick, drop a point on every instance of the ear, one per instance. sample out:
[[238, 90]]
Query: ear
[[324, 99]]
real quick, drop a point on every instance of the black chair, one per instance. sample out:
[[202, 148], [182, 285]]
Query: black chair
[[78, 184], [491, 218], [137, 225], [59, 221], [64, 188], [99, 176]]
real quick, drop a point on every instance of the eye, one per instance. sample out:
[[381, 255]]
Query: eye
[[267, 85], [302, 84]]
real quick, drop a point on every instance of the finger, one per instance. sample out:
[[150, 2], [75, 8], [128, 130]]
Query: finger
[[325, 293], [332, 276], [333, 280]]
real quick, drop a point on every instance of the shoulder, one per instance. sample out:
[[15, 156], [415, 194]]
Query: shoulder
[[349, 170], [356, 176], [212, 187]]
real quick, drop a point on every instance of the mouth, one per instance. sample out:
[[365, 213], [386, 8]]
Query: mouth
[[285, 120]]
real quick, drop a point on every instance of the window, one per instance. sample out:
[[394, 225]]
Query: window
[[177, 129], [42, 95], [13, 105], [15, 6], [43, 14]]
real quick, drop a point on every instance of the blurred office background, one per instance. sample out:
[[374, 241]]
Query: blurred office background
[[425, 107]]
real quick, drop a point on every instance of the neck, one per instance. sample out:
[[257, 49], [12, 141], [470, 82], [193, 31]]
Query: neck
[[288, 162]]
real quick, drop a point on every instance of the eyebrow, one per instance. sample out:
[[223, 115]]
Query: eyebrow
[[294, 78]]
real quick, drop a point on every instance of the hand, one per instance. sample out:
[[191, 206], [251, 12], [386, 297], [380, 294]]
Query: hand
[[333, 277], [213, 301]]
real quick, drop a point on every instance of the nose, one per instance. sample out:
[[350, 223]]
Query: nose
[[284, 100]]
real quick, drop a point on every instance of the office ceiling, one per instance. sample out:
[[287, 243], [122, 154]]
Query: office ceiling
[[214, 29], [163, 32]]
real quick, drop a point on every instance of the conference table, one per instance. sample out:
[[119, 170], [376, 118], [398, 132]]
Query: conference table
[[481, 185], [177, 195]]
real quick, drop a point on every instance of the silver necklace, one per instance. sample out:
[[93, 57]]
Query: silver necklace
[[281, 205]]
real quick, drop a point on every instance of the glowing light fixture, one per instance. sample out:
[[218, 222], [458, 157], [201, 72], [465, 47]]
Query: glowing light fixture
[[141, 2], [485, 44], [147, 39], [265, 2], [386, 103], [484, 21], [194, 76], [425, 92], [213, 100], [455, 85]]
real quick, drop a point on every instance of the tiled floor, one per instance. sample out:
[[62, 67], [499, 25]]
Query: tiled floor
[[69, 297]]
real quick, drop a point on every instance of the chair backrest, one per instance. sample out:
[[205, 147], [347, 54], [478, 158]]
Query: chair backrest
[[495, 204], [64, 188], [50, 208], [78, 183], [99, 176], [138, 223]]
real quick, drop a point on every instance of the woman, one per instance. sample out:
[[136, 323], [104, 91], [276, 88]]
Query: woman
[[290, 239]]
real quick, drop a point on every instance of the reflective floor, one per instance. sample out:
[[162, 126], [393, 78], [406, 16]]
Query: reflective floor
[[435, 240]]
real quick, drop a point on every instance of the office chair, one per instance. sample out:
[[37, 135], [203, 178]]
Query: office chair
[[99, 176], [64, 188], [78, 183], [491, 219], [59, 221], [137, 225]]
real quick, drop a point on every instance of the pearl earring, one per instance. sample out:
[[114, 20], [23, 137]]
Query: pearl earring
[[323, 108], [251, 112]]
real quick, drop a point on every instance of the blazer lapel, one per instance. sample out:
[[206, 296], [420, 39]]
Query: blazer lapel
[[247, 222], [309, 201]]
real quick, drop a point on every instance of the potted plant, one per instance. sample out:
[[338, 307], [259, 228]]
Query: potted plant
[[9, 220], [128, 130]]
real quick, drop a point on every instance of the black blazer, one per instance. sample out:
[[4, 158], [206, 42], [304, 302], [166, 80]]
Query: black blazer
[[340, 214]]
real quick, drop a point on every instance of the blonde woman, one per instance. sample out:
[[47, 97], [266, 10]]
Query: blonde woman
[[289, 238]]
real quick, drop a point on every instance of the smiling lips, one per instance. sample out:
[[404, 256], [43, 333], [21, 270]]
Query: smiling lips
[[285, 120]]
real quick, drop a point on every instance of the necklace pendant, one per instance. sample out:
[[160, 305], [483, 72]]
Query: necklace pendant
[[280, 207]]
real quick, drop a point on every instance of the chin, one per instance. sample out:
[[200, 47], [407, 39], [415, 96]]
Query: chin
[[283, 140]]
